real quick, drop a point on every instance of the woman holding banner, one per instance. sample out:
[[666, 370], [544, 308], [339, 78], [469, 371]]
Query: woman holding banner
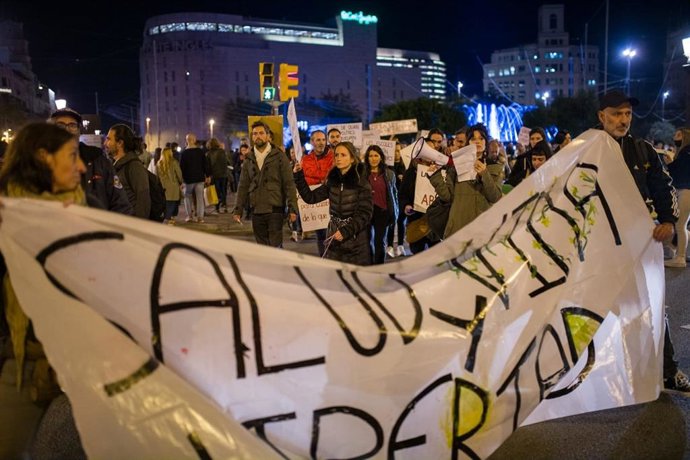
[[42, 163], [472, 197], [385, 200], [349, 193]]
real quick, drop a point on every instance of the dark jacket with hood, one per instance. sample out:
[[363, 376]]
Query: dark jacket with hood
[[135, 180], [101, 181], [351, 207]]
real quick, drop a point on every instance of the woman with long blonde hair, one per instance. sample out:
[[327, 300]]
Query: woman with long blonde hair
[[170, 174]]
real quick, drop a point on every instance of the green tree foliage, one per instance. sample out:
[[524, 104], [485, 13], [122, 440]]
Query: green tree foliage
[[576, 114], [428, 112]]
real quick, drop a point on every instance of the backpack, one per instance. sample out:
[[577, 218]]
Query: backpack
[[437, 216], [157, 195]]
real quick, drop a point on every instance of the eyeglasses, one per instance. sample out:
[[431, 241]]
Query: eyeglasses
[[72, 125]]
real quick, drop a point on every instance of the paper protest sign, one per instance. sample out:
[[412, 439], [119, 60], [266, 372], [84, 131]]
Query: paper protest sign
[[388, 128], [464, 160], [313, 216], [351, 132], [294, 131]]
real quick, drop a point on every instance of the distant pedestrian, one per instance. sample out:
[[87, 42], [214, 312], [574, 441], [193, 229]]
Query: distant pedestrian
[[170, 174], [218, 164], [195, 172]]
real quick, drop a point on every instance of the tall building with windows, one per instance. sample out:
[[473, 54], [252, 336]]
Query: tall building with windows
[[22, 96], [550, 68], [192, 65]]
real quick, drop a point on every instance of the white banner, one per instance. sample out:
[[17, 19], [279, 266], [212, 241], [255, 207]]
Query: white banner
[[440, 355], [294, 131], [387, 128], [351, 132], [313, 216]]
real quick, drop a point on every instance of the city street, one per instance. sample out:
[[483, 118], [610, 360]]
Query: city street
[[660, 429]]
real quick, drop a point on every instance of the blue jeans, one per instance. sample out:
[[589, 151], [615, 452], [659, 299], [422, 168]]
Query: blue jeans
[[221, 184], [196, 188]]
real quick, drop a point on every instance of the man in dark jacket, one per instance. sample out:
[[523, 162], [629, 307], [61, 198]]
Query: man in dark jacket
[[100, 180], [121, 146], [654, 184], [195, 173], [266, 182]]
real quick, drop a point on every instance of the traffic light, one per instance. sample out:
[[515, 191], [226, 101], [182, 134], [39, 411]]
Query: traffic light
[[288, 82], [266, 81]]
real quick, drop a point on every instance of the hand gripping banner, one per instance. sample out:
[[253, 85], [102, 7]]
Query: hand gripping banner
[[178, 344]]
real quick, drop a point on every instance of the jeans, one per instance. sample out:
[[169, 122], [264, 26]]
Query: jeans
[[268, 229], [198, 189], [171, 209], [378, 227], [221, 184]]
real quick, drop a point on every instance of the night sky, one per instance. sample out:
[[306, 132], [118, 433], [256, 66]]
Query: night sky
[[80, 48]]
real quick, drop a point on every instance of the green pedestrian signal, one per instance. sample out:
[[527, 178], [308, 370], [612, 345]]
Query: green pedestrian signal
[[269, 93]]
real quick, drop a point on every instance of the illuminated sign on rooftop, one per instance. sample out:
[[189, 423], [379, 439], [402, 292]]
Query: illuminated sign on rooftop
[[359, 17]]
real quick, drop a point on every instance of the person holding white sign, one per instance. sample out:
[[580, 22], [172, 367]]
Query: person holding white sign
[[523, 163], [418, 234], [316, 166], [469, 198], [385, 200], [349, 193]]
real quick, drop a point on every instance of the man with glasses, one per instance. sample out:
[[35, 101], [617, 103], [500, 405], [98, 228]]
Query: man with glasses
[[100, 180]]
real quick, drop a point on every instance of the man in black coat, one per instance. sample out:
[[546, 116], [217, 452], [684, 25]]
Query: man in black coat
[[654, 183], [100, 180]]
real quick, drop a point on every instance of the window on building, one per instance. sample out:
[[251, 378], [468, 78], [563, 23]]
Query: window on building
[[174, 91], [348, 84], [246, 77], [166, 91], [201, 74], [165, 77], [167, 106], [172, 75]]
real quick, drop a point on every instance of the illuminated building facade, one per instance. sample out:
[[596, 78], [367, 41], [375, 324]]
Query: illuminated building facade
[[193, 64], [22, 96], [543, 71]]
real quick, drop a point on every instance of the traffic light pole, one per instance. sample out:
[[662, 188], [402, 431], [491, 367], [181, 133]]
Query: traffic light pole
[[274, 106]]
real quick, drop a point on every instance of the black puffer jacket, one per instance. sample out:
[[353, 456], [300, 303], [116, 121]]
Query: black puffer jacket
[[351, 206]]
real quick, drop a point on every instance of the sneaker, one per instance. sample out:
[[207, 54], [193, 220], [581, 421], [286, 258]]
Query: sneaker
[[187, 219], [678, 382], [390, 251], [293, 237], [400, 251], [171, 221], [675, 263], [200, 220]]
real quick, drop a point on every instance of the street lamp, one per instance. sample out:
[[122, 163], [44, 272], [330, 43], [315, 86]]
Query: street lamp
[[460, 85], [148, 134], [663, 104], [628, 53], [60, 103], [545, 97], [211, 122]]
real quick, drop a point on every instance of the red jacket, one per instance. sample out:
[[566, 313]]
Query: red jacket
[[316, 167]]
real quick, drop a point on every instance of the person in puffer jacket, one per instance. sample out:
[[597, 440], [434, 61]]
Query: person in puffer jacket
[[349, 193]]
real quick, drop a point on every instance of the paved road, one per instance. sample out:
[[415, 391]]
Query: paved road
[[660, 429]]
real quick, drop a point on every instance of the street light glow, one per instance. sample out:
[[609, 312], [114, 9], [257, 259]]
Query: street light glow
[[629, 53], [211, 122]]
